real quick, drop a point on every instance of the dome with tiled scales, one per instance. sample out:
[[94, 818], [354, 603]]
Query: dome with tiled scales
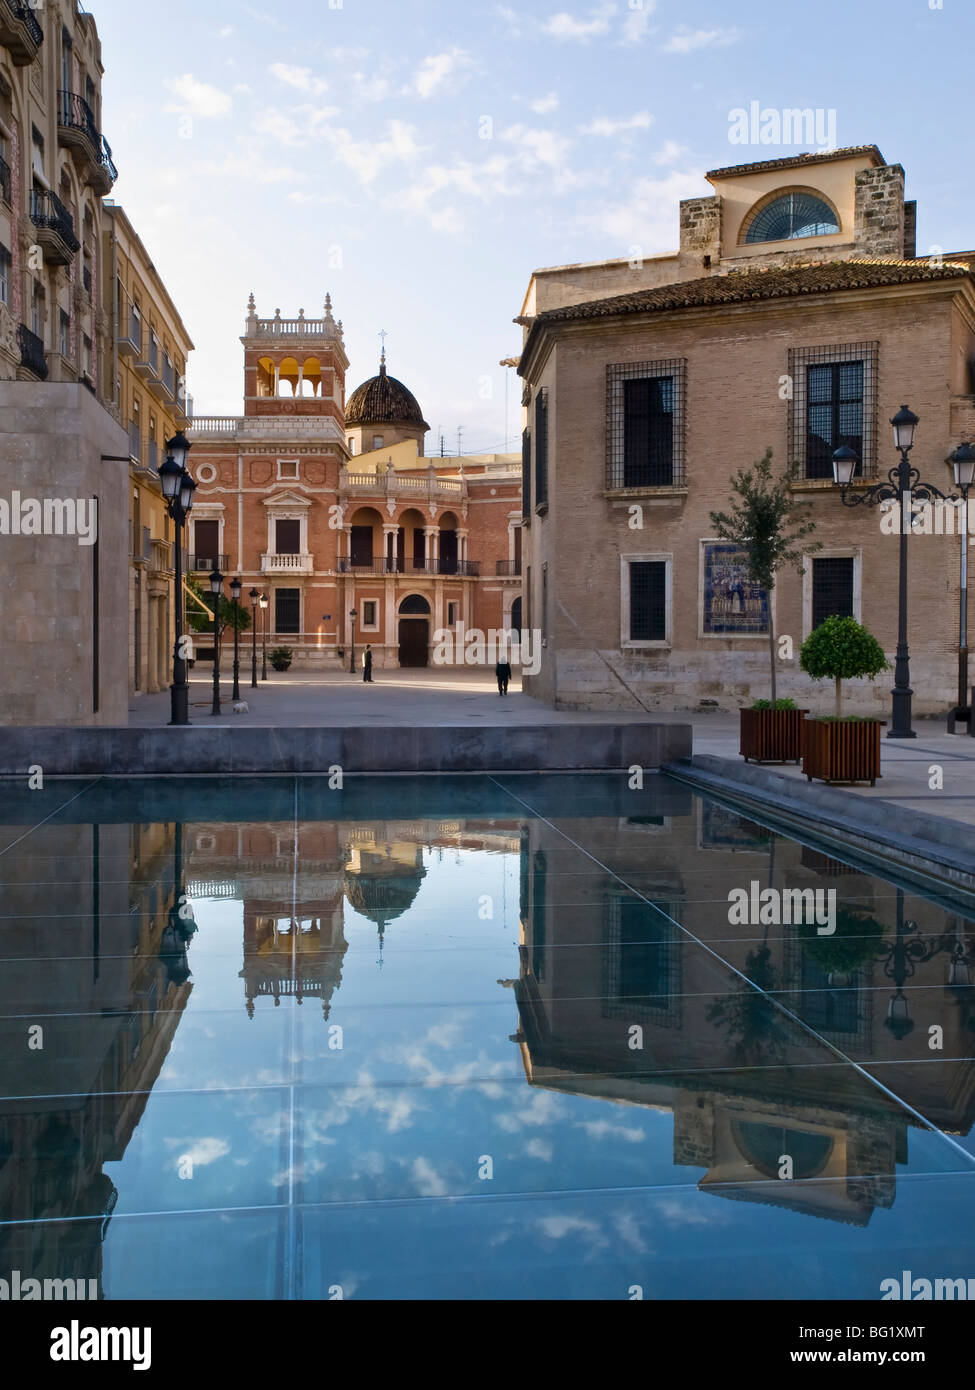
[[383, 412]]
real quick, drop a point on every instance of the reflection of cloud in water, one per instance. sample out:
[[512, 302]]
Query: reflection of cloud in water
[[199, 1151], [539, 1148], [558, 1226], [542, 1109], [602, 1129], [428, 1182], [682, 1213]]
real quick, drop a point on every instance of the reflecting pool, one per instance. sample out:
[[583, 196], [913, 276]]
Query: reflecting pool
[[470, 1038]]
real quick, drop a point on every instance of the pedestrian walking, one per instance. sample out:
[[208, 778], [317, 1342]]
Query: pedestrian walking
[[503, 673], [367, 666]]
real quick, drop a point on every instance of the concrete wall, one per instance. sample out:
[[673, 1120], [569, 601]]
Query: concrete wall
[[52, 437]]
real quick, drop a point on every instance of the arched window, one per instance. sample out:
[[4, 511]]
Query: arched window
[[790, 216]]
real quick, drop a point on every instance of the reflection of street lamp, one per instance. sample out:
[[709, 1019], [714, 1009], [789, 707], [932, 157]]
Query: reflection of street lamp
[[254, 596], [216, 589], [902, 956], [264, 607], [963, 464], [353, 614], [180, 925], [903, 486], [235, 587]]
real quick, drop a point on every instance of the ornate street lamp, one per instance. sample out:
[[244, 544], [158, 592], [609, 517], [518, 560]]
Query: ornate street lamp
[[216, 589], [181, 924], [962, 462], [178, 488], [235, 587], [903, 485], [254, 596], [353, 614], [264, 607]]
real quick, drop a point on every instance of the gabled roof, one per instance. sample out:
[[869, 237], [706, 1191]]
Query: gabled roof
[[798, 161]]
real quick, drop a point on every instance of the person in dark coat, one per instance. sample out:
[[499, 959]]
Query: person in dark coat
[[367, 666], [503, 673]]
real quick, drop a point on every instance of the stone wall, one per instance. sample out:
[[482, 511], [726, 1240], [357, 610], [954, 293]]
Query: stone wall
[[879, 219], [52, 438]]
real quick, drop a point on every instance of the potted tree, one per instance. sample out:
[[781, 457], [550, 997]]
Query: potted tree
[[838, 748], [280, 658], [771, 529]]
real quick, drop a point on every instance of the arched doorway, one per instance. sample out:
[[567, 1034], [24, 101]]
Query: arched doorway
[[516, 617], [414, 631]]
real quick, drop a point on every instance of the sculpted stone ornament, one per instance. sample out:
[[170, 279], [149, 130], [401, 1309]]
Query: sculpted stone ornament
[[9, 349]]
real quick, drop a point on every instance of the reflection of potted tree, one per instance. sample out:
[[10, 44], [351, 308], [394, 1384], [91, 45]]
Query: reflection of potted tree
[[755, 1027], [838, 748], [851, 945], [770, 528]]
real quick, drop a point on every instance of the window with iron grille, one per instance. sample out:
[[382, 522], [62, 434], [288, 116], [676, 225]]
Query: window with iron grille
[[5, 264], [641, 960], [832, 588], [648, 601], [544, 602], [834, 406], [526, 473], [64, 333], [539, 905], [645, 424], [287, 611], [541, 448]]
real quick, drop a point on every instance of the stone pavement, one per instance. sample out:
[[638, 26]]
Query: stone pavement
[[424, 698]]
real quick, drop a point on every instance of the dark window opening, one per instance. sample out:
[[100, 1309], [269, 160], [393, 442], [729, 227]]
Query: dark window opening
[[287, 610], [834, 415], [648, 432], [648, 601], [832, 585]]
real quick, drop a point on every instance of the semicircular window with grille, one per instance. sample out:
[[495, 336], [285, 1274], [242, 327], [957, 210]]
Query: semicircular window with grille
[[790, 216]]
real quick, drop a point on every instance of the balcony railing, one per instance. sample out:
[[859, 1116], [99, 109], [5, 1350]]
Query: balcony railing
[[76, 122], [4, 180], [470, 569], [287, 564], [20, 31], [135, 443], [506, 569], [55, 226], [169, 375], [130, 335], [206, 564], [31, 352], [153, 459]]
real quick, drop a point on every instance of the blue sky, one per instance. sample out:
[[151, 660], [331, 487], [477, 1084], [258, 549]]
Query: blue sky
[[418, 159]]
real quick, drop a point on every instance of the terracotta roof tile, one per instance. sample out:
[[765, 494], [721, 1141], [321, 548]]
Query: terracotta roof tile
[[796, 161]]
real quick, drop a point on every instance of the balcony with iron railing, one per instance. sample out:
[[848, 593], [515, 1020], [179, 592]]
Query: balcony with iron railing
[[135, 443], [20, 32], [507, 569], [147, 366], [465, 569], [163, 384], [78, 130], [31, 352], [5, 193], [130, 334], [54, 225]]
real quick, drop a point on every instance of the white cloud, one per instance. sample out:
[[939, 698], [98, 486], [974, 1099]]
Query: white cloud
[[301, 78], [647, 219], [636, 25], [540, 1148], [685, 40], [603, 125], [544, 105], [371, 86], [435, 70], [226, 31], [566, 26], [245, 167], [537, 146], [296, 128], [428, 1181], [669, 151], [198, 98], [200, 1152], [367, 158], [601, 1129]]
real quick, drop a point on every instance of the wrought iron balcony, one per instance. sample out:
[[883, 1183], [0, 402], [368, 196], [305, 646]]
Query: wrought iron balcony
[[507, 569], [77, 129], [20, 32], [31, 352], [135, 443], [4, 181], [470, 569], [130, 336], [55, 226]]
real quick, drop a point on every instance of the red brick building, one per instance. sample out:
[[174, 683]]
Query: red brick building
[[332, 509]]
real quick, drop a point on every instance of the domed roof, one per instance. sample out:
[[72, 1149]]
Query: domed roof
[[382, 400]]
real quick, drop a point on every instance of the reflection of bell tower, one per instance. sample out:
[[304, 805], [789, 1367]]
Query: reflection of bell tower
[[294, 367]]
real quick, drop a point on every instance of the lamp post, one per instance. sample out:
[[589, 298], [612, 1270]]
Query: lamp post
[[264, 608], [963, 464], [903, 485], [181, 924], [178, 488], [254, 596], [216, 589], [235, 587], [353, 614]]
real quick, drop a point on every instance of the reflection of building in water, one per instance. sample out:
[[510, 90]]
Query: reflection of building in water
[[294, 891], [99, 943], [746, 1084]]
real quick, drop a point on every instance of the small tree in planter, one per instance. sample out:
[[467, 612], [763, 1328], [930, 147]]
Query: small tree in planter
[[771, 529], [280, 658], [838, 749]]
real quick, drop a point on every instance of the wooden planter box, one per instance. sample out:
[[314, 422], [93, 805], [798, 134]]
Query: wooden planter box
[[771, 735], [842, 752]]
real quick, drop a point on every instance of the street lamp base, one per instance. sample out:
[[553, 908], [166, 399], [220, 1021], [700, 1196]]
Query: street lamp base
[[179, 705], [901, 733]]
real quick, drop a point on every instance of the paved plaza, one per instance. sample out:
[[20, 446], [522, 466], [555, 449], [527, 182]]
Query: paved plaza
[[470, 698]]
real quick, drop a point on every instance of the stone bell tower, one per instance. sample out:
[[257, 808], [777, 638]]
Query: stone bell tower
[[294, 367]]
